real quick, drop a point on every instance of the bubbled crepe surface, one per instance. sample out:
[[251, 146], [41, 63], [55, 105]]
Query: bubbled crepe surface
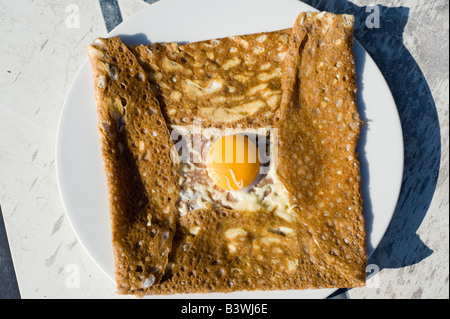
[[228, 82], [301, 81]]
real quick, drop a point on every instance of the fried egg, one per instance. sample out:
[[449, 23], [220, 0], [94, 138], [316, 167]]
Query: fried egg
[[234, 169], [233, 162]]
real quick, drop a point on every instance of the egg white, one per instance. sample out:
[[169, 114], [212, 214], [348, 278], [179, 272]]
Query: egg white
[[192, 144]]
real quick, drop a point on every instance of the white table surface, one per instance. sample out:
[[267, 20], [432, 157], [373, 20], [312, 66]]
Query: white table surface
[[42, 48]]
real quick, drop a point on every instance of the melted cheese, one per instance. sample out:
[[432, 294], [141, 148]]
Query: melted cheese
[[272, 196]]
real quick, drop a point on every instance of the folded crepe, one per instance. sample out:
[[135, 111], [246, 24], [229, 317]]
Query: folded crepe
[[299, 81]]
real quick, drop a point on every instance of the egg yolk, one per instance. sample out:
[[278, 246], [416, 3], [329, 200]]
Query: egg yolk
[[233, 162]]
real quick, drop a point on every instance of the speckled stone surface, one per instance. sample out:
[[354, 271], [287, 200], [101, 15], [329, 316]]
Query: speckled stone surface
[[43, 46], [411, 49]]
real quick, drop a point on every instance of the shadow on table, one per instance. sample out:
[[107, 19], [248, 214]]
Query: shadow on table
[[9, 288], [401, 246]]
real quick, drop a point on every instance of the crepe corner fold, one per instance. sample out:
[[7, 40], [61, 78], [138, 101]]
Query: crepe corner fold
[[141, 177]]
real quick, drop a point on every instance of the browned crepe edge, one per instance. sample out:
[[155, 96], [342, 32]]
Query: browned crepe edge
[[141, 177]]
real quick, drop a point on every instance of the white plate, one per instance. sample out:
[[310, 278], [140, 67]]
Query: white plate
[[80, 173]]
